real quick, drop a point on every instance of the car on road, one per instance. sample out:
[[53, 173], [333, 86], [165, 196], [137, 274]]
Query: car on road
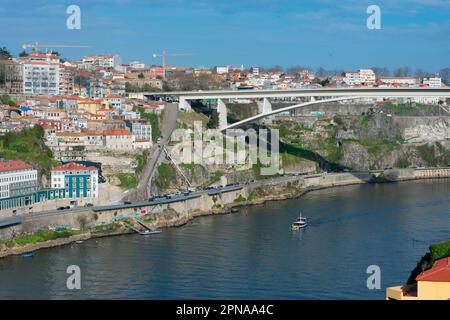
[[127, 202]]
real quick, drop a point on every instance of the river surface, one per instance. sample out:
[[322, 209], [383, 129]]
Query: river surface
[[253, 254]]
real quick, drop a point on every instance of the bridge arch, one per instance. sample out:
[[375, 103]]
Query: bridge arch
[[296, 106]]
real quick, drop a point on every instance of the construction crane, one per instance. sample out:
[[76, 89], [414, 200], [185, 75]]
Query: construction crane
[[164, 56], [36, 46]]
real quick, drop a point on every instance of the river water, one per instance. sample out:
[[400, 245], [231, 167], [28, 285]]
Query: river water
[[253, 254]]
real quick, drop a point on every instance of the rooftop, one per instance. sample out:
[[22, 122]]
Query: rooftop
[[72, 166], [439, 272], [13, 165]]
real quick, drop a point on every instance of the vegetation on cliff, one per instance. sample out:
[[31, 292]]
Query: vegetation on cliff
[[28, 145], [436, 251], [166, 176], [369, 141], [152, 118], [127, 180]]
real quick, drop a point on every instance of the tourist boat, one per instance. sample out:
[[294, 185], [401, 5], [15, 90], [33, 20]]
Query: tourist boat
[[300, 223], [28, 255], [149, 232]]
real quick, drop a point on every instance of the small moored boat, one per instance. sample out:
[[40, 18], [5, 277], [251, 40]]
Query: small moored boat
[[28, 255], [79, 241], [149, 232], [300, 223]]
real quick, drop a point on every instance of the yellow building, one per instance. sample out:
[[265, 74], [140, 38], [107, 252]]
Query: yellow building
[[432, 284]]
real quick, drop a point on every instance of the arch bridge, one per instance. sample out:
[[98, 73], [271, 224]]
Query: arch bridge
[[315, 96]]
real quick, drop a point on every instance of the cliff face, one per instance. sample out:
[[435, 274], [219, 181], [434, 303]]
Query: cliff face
[[373, 141], [333, 140]]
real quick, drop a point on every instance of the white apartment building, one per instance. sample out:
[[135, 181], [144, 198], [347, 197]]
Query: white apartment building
[[17, 179], [433, 82], [222, 69], [137, 64], [119, 140], [78, 181], [399, 81], [360, 77], [114, 101], [40, 78], [101, 60], [142, 130]]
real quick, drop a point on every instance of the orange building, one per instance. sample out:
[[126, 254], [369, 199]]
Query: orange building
[[432, 284]]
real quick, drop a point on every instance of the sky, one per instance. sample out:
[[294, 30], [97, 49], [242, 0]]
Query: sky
[[328, 33]]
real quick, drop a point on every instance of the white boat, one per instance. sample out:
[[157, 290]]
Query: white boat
[[300, 223], [149, 232]]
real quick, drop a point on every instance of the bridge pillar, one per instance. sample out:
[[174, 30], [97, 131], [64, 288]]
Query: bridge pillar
[[265, 106], [222, 110], [184, 105]]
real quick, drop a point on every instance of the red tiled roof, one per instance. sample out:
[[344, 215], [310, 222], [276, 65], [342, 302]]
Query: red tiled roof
[[439, 272], [117, 132], [72, 166], [14, 165]]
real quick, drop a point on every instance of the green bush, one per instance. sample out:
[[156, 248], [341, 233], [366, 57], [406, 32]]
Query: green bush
[[439, 251], [127, 180], [166, 175]]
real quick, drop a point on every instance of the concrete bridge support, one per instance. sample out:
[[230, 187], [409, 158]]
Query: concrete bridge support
[[265, 106], [184, 105], [222, 110]]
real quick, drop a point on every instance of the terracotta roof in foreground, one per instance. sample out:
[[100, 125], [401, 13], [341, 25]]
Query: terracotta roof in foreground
[[439, 272]]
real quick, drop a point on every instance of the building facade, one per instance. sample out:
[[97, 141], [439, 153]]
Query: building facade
[[40, 78], [17, 178], [360, 77], [432, 284], [77, 180], [11, 76]]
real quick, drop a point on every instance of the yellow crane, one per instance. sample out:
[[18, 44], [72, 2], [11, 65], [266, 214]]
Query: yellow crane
[[164, 54], [36, 46]]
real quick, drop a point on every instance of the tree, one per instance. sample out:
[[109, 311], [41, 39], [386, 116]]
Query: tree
[[403, 72], [6, 99], [23, 54], [325, 82], [4, 53], [381, 71], [141, 76], [445, 75], [296, 69], [213, 120], [422, 73], [321, 72], [276, 68]]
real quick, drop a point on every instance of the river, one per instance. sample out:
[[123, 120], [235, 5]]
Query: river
[[252, 254]]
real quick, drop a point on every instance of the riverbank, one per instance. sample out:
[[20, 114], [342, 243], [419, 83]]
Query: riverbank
[[256, 196]]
